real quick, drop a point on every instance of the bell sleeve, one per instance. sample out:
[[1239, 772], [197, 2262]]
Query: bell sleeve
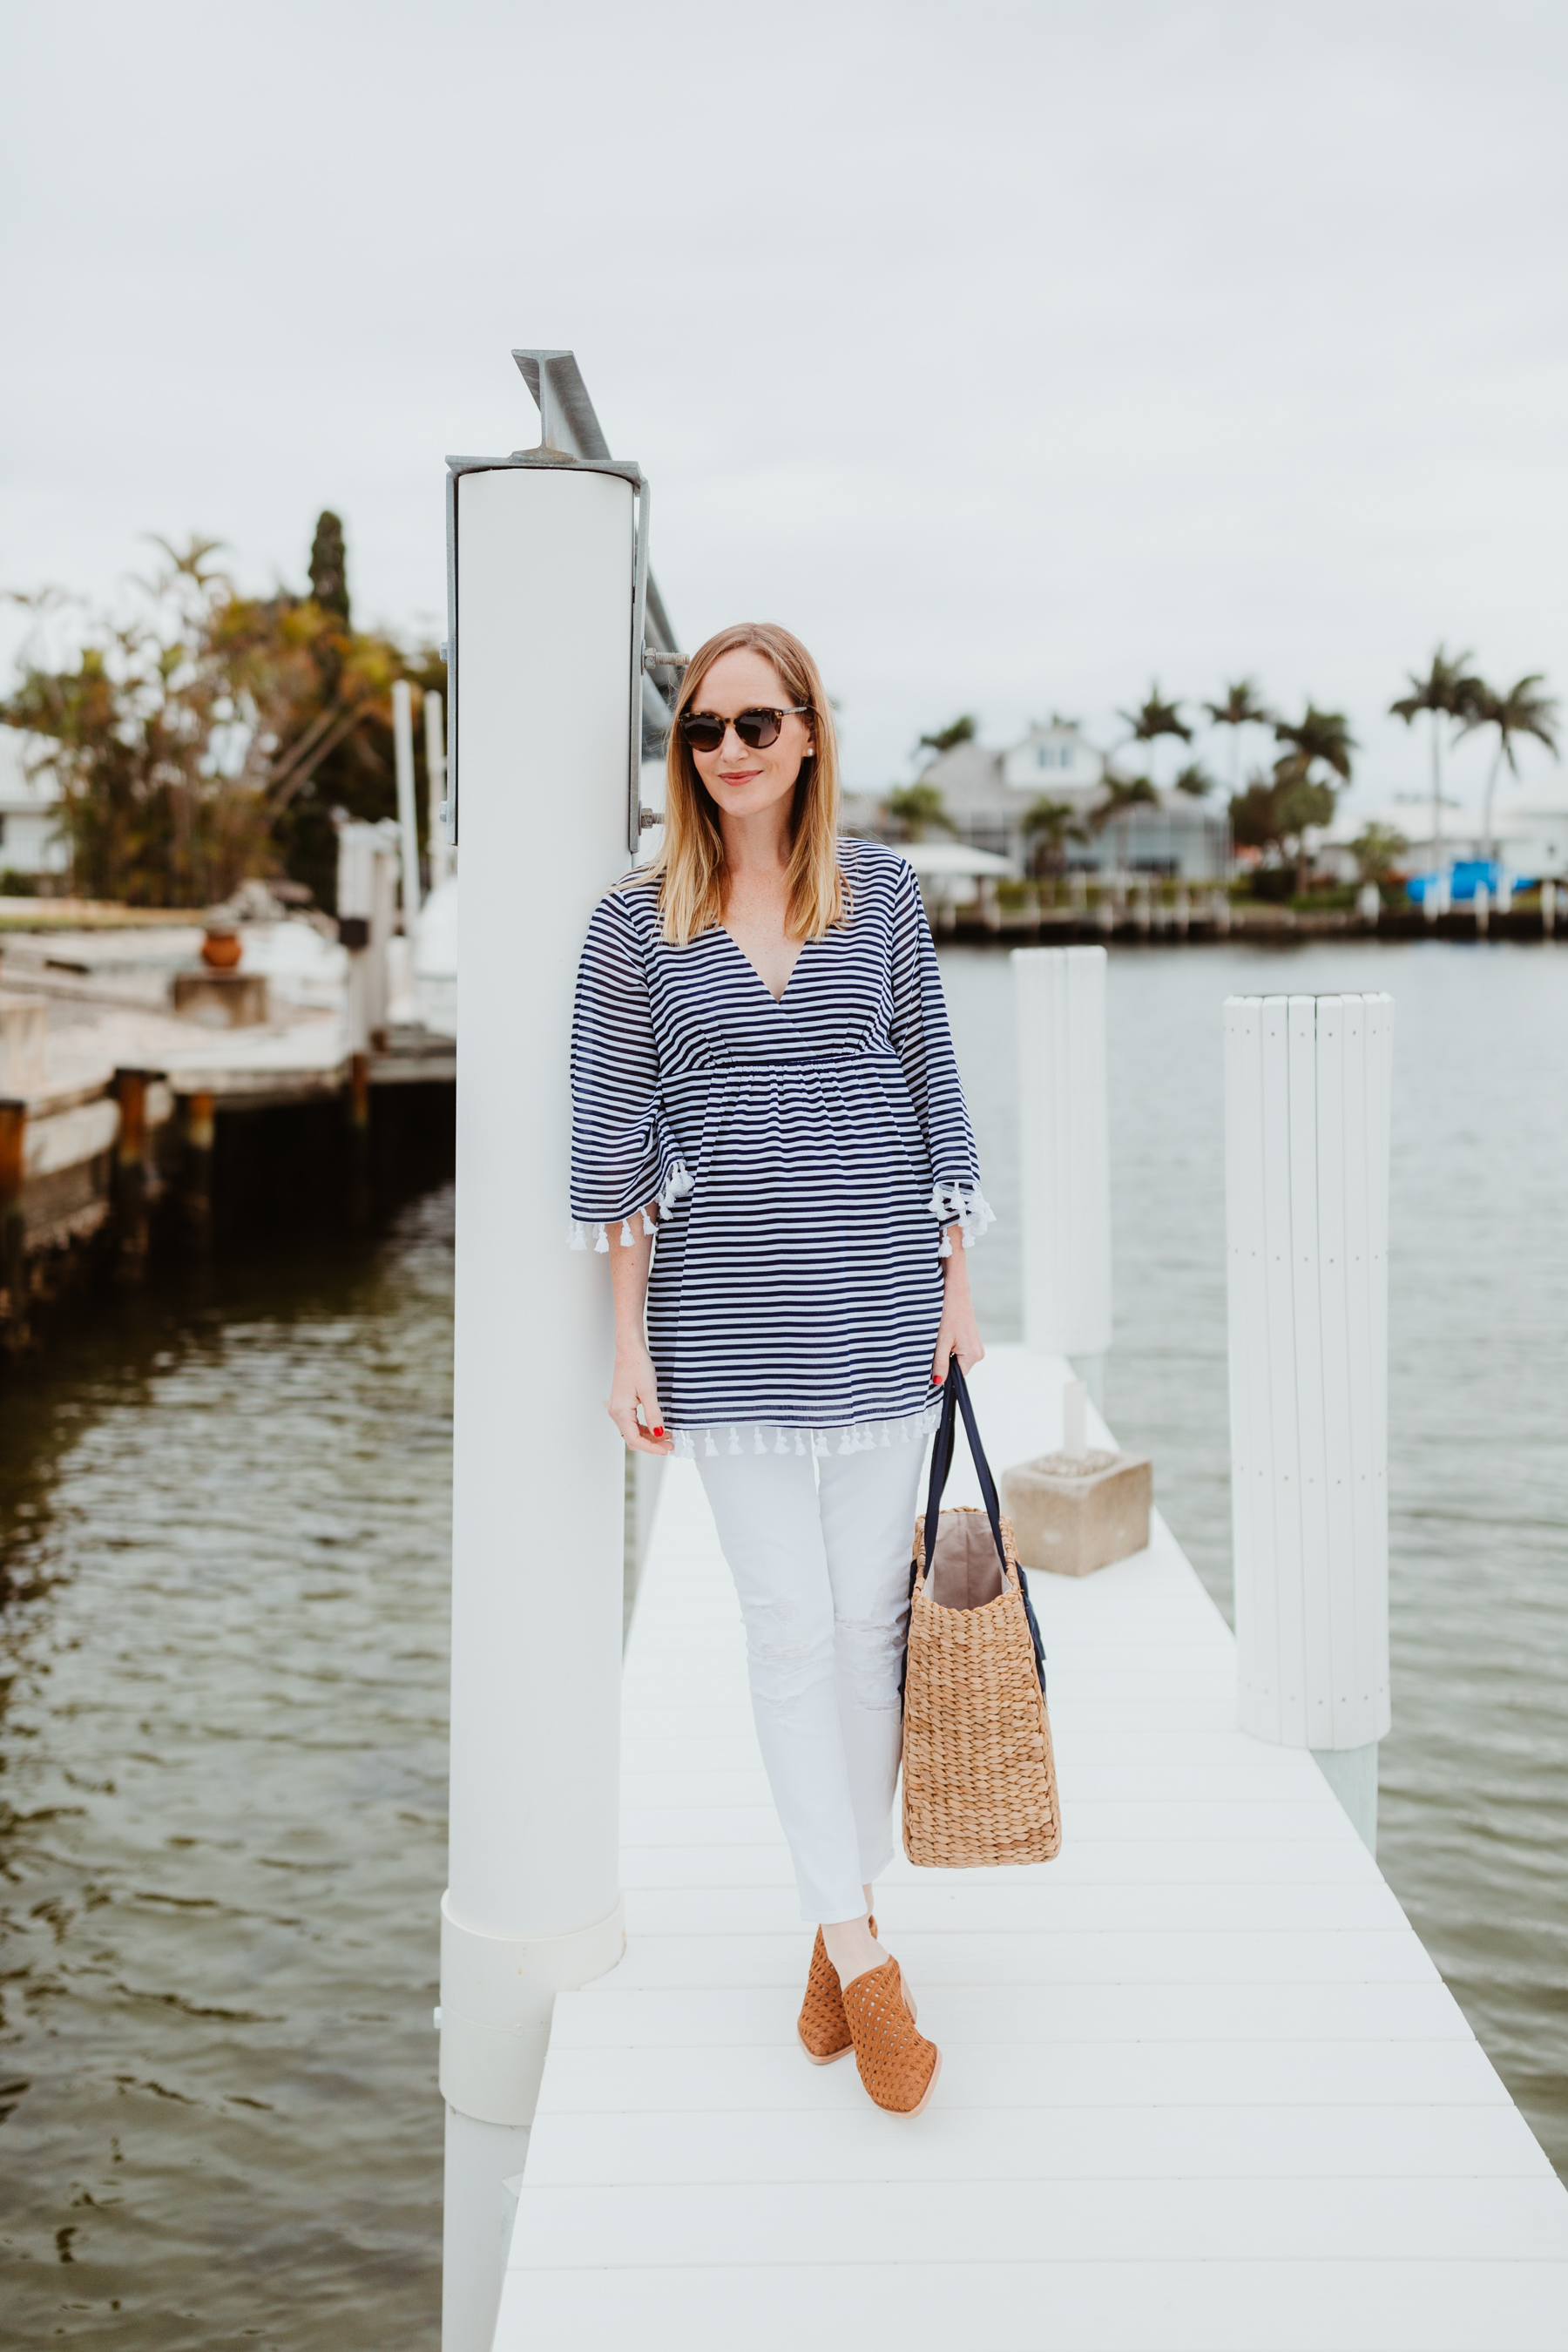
[[923, 1043], [624, 1157]]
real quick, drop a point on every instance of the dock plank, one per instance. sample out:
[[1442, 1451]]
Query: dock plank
[[1204, 2090]]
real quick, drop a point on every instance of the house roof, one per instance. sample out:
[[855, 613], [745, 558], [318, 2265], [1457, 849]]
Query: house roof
[[969, 777], [972, 781]]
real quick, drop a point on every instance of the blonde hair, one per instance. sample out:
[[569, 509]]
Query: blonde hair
[[689, 870]]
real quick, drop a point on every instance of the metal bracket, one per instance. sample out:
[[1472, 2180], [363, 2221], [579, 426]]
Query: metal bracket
[[570, 435]]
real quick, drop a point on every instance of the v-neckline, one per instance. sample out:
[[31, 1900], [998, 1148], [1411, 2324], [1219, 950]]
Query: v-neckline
[[756, 975]]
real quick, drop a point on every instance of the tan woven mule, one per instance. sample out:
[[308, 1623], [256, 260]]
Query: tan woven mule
[[898, 2066], [823, 2028]]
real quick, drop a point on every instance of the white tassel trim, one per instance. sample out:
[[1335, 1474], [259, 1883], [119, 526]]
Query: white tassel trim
[[971, 1214], [596, 1237], [589, 1238], [676, 1184], [779, 1437]]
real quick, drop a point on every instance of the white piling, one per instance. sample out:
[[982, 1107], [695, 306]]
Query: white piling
[[408, 822], [1483, 906], [366, 897], [541, 716], [1307, 1130], [436, 792], [1549, 907], [1064, 1152]]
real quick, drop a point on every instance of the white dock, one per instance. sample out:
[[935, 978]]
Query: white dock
[[1202, 2089]]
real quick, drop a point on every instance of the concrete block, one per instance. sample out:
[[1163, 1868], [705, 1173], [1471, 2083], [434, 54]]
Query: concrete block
[[223, 999], [24, 1027], [1074, 1516]]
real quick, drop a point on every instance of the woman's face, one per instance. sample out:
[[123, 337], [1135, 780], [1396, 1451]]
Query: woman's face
[[741, 781]]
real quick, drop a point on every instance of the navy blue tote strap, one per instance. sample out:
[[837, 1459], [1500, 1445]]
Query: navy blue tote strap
[[957, 1400], [954, 1402]]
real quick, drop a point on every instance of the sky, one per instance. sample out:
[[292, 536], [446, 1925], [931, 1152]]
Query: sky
[[1016, 357]]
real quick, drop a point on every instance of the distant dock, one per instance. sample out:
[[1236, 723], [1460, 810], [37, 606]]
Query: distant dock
[[124, 1127], [1205, 917]]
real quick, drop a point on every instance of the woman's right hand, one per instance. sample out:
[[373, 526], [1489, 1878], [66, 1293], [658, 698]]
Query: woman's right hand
[[633, 1384]]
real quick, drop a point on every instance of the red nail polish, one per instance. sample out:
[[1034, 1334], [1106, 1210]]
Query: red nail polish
[[938, 1377], [660, 1430]]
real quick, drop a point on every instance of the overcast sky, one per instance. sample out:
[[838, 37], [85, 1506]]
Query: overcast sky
[[1014, 356]]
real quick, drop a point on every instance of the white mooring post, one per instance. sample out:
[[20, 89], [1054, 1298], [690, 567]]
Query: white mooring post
[[367, 899], [1307, 1128], [541, 588], [408, 822], [1064, 1154], [436, 791]]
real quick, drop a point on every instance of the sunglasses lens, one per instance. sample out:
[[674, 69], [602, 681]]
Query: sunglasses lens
[[758, 729], [703, 734]]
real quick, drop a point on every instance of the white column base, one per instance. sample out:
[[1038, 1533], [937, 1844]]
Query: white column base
[[498, 1996], [1351, 1774], [476, 2229]]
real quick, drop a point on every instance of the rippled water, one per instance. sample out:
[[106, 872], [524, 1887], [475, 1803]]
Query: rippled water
[[224, 1524], [223, 1527]]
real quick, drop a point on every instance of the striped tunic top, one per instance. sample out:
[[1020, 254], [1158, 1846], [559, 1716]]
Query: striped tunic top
[[807, 1159]]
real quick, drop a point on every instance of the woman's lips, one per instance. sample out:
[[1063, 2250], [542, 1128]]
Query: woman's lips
[[738, 776]]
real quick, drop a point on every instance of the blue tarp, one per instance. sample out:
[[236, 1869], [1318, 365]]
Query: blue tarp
[[1463, 876]]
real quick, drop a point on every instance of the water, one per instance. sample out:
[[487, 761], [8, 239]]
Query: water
[[223, 1521]]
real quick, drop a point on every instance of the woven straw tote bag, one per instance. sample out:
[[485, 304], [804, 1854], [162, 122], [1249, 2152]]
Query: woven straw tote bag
[[980, 1779]]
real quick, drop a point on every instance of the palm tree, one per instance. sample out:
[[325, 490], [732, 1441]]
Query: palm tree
[[1449, 691], [962, 729], [920, 809], [1319, 738], [1122, 795], [1241, 708], [1520, 711], [1194, 781], [1050, 826], [1317, 735], [1154, 718]]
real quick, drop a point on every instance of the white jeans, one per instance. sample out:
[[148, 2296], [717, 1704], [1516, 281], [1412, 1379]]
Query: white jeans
[[819, 1549]]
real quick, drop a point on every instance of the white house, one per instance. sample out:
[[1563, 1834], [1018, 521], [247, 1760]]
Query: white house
[[987, 794], [1530, 828], [1530, 832], [31, 843]]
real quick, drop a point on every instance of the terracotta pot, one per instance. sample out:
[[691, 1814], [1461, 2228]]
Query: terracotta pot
[[221, 950]]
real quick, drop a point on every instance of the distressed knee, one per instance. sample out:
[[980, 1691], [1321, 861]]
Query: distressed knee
[[788, 1651], [870, 1656]]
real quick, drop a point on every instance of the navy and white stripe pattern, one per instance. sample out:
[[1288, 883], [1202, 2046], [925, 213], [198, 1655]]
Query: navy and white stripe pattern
[[807, 1157]]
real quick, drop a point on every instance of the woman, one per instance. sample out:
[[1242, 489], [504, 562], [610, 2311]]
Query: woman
[[761, 1060]]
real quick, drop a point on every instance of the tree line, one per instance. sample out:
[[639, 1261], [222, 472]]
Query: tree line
[[1278, 805], [203, 735]]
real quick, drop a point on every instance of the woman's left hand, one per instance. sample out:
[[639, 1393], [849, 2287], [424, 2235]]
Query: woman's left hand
[[958, 1334]]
